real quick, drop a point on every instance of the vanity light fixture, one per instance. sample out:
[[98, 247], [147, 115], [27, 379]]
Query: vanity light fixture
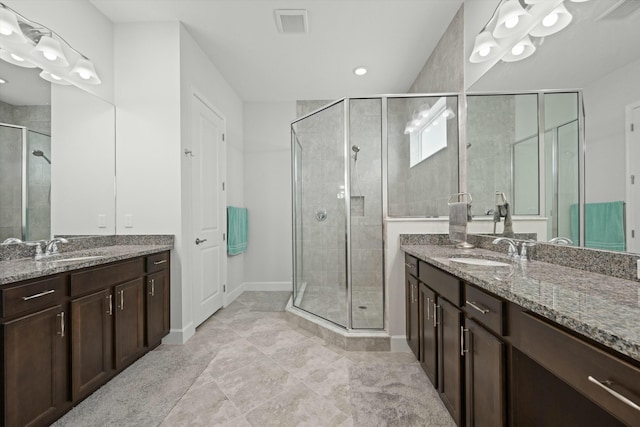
[[507, 35], [360, 71], [426, 115], [2, 81], [28, 44]]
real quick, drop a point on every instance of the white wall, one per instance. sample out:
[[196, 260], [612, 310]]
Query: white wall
[[605, 100], [147, 96], [267, 181], [198, 74]]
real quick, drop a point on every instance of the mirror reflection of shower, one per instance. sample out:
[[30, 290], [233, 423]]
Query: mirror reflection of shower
[[39, 153]]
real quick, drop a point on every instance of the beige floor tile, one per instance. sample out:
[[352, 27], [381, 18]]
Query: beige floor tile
[[297, 407], [254, 384]]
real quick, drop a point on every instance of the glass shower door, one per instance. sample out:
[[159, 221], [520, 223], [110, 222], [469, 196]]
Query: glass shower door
[[12, 175], [320, 224]]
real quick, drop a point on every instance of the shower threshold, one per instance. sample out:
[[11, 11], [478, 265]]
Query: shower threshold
[[350, 340]]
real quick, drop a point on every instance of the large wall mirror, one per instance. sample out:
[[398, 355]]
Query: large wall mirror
[[598, 53], [57, 159]]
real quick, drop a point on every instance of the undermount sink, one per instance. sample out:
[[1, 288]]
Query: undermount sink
[[75, 259], [480, 261]]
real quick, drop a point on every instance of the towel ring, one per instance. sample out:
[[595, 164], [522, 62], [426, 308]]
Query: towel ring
[[457, 196]]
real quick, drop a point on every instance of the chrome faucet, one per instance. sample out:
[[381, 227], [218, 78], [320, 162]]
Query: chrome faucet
[[513, 252], [51, 246], [561, 241], [11, 240]]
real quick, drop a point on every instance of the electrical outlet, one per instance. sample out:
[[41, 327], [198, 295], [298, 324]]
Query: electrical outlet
[[102, 221]]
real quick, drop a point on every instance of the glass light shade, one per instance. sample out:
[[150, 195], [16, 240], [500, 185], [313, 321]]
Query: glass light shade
[[53, 78], [14, 59], [85, 70], [511, 16], [564, 19], [521, 50], [448, 114], [50, 50], [9, 28], [484, 48]]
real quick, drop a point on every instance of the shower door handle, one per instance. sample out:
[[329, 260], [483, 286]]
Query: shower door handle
[[198, 241]]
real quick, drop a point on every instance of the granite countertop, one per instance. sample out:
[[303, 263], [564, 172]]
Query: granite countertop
[[27, 268], [603, 308]]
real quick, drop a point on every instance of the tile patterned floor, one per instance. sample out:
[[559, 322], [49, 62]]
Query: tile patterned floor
[[247, 366]]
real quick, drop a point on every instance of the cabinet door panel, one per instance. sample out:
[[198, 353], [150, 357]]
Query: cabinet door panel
[[428, 337], [485, 378], [35, 367], [157, 295], [413, 319], [450, 362], [129, 315], [91, 342]]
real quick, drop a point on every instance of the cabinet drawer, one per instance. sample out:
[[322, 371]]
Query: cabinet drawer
[[157, 262], [442, 283], [485, 308], [103, 277], [410, 265], [581, 364], [33, 296]]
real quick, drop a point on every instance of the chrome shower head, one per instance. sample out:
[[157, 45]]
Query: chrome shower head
[[39, 153]]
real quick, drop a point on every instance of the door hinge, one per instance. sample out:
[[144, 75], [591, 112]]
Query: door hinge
[[222, 185], [633, 234], [223, 136], [224, 236], [633, 179], [224, 288], [632, 127]]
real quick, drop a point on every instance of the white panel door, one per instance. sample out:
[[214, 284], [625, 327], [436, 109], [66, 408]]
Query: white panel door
[[208, 211], [633, 204]]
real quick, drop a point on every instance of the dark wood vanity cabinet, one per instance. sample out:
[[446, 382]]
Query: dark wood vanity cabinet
[[157, 298], [496, 364], [66, 335], [34, 352], [428, 334], [412, 305]]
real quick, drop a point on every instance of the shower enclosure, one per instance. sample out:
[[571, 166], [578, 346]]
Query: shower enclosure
[[337, 211], [25, 183]]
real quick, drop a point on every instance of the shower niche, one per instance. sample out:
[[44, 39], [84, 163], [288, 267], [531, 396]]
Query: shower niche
[[337, 169]]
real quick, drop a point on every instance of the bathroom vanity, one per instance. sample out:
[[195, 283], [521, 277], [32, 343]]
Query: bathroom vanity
[[70, 324], [523, 343]]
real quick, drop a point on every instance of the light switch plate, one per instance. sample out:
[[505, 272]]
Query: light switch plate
[[102, 221], [128, 221], [638, 269]]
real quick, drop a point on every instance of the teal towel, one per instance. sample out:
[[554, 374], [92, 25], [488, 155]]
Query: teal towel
[[603, 225], [237, 230]]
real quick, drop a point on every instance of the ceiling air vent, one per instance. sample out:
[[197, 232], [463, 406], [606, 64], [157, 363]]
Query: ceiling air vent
[[292, 21], [620, 10]]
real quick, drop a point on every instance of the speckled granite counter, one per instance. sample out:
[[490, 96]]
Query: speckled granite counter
[[603, 308], [16, 270]]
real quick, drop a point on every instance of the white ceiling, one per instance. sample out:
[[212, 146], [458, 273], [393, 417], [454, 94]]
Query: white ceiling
[[392, 38]]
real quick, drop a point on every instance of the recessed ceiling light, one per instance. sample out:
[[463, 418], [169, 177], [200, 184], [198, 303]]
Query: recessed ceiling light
[[2, 80], [360, 71]]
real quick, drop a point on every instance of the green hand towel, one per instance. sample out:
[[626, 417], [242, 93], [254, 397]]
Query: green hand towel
[[603, 225], [237, 230]]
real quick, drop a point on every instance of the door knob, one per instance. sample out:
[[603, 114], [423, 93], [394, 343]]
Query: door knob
[[198, 241]]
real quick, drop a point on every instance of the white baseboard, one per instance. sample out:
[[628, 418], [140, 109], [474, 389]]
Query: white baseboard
[[267, 286], [399, 344], [231, 296], [180, 336]]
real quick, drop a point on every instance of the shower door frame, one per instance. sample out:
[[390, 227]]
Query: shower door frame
[[25, 185]]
